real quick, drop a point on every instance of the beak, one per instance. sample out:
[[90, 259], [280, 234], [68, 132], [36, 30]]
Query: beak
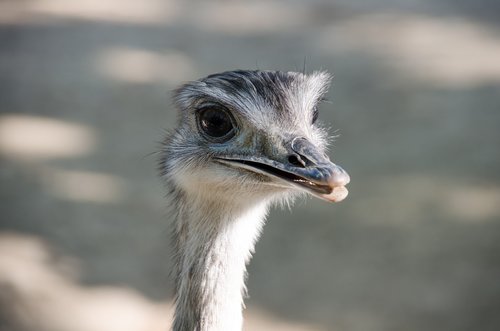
[[305, 168]]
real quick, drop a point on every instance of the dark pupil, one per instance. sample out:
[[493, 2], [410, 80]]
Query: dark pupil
[[215, 123]]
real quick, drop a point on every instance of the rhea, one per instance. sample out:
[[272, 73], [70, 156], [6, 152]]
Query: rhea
[[244, 141]]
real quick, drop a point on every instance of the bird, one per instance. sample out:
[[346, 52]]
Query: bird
[[245, 140]]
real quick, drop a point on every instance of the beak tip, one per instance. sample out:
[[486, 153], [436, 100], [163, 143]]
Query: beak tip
[[339, 177], [338, 194]]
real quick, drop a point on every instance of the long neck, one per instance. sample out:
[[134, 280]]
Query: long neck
[[214, 242]]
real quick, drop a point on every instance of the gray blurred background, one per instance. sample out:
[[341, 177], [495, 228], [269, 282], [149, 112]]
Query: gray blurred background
[[85, 99]]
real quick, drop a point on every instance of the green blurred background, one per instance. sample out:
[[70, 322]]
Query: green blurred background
[[84, 101]]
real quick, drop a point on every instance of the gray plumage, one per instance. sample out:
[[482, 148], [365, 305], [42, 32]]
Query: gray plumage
[[244, 140]]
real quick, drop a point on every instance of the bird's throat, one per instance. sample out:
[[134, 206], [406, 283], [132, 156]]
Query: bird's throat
[[214, 244]]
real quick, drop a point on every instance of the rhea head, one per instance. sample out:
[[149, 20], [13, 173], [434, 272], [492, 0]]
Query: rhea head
[[245, 136]]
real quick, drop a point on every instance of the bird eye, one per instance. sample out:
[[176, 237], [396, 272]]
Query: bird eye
[[215, 122], [315, 115]]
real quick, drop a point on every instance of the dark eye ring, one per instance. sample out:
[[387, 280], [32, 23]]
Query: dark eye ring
[[216, 122], [315, 115]]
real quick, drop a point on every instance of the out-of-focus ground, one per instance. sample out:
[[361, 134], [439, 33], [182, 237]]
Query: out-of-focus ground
[[84, 233]]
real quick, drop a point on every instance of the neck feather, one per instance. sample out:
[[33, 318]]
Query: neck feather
[[214, 242]]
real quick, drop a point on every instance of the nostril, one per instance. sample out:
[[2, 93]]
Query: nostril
[[296, 161]]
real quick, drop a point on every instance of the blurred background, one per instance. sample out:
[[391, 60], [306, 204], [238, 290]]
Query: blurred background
[[85, 99]]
